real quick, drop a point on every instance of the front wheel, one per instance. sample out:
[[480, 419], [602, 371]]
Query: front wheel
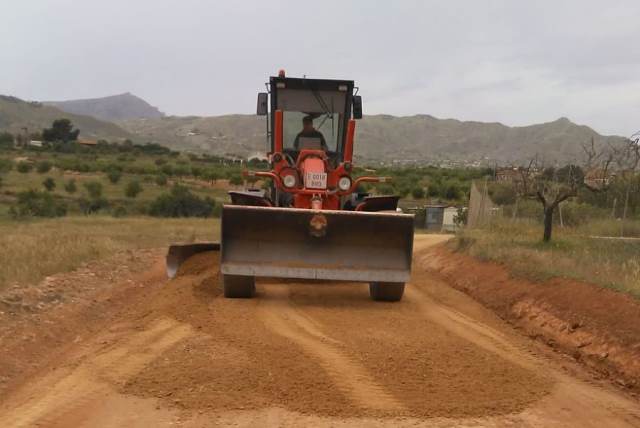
[[386, 291], [238, 287]]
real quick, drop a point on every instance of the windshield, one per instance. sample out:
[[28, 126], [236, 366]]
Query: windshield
[[327, 124], [324, 108]]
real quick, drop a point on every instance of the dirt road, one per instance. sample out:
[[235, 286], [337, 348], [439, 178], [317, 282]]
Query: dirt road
[[148, 352]]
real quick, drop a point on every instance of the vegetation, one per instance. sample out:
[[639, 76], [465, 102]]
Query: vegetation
[[32, 250], [37, 204], [133, 189], [43, 167], [107, 178], [574, 253], [6, 140], [70, 187], [114, 175], [24, 167], [49, 184], [94, 189], [181, 203], [61, 130]]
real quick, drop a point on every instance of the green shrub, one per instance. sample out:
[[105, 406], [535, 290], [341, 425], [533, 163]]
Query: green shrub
[[119, 211], [114, 175], [503, 194], [6, 165], [94, 188], [93, 205], [182, 170], [434, 190], [43, 167], [6, 140], [217, 211], [181, 203], [24, 167], [49, 184], [212, 176], [452, 192], [167, 169], [37, 204], [236, 180], [575, 213], [70, 186], [133, 189], [161, 180], [417, 193]]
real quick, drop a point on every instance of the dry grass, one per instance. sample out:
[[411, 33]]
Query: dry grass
[[571, 254], [29, 251], [610, 227]]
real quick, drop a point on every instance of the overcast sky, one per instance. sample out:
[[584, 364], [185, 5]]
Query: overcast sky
[[513, 62]]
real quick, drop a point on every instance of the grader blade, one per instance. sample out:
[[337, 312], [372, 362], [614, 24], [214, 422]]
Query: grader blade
[[178, 253], [309, 244]]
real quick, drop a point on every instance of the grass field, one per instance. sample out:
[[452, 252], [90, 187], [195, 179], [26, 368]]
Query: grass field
[[32, 250], [572, 253]]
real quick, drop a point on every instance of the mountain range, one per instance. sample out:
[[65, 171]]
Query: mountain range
[[111, 108], [385, 138], [17, 115]]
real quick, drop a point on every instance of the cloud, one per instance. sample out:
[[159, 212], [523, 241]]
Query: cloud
[[512, 62]]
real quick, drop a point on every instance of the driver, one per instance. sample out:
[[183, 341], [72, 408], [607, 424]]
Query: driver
[[308, 131]]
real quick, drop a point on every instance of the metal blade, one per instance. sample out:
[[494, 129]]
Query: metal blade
[[178, 253], [279, 242]]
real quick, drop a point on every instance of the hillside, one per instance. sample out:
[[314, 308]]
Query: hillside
[[16, 114], [231, 135], [419, 138], [112, 108]]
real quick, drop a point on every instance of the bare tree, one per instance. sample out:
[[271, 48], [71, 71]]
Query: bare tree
[[597, 164], [552, 186]]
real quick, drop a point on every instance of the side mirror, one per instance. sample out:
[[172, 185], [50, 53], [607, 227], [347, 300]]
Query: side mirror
[[357, 107], [263, 104]]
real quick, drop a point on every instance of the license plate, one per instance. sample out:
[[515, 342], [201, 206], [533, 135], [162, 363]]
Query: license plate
[[315, 180]]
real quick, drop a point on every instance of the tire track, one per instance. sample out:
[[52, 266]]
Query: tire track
[[471, 330], [54, 397], [349, 377], [572, 402]]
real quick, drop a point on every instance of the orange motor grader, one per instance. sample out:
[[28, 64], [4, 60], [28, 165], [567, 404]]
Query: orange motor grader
[[311, 223]]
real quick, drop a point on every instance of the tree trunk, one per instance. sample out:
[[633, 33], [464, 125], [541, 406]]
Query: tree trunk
[[548, 223]]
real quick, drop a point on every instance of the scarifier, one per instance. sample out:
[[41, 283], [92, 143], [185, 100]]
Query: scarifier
[[312, 223]]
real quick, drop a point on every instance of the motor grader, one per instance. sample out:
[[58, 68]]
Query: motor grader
[[311, 223]]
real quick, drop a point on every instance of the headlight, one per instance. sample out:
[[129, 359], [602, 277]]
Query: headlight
[[289, 181], [344, 183]]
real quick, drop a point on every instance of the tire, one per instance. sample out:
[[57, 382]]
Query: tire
[[386, 291], [238, 287]]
